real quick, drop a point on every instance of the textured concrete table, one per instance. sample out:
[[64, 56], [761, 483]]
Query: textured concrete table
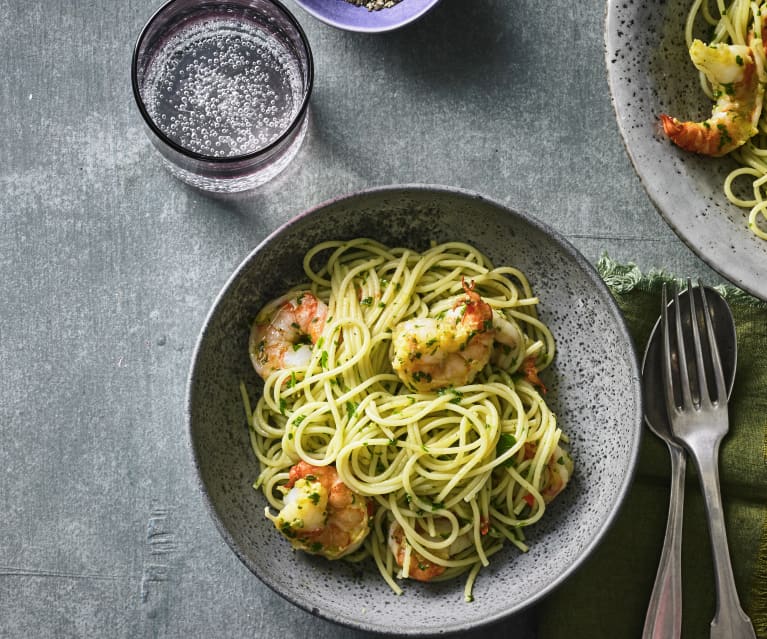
[[109, 266]]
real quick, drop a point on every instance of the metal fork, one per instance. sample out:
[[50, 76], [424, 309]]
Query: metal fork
[[698, 417]]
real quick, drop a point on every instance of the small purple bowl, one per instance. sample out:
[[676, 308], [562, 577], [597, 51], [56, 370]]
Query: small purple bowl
[[348, 16]]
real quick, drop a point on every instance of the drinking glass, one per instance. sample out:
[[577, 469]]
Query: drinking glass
[[224, 88]]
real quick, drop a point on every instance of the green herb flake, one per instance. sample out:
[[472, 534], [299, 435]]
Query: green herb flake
[[457, 396], [724, 135], [505, 442]]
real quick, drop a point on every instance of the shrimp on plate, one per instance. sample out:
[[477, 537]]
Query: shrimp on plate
[[738, 87], [322, 515], [557, 472], [419, 567], [284, 339], [429, 353]]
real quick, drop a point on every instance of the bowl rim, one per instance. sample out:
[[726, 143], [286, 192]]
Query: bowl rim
[[346, 26], [634, 384]]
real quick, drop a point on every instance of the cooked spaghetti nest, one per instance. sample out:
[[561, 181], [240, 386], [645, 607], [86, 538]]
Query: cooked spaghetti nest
[[448, 475]]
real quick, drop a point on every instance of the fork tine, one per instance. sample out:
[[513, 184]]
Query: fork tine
[[705, 399], [681, 353], [721, 391], [668, 380]]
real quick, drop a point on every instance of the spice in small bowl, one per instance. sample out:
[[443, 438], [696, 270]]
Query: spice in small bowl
[[368, 16], [374, 5]]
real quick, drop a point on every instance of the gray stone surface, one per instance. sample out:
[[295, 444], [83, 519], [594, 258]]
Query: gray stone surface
[[109, 266]]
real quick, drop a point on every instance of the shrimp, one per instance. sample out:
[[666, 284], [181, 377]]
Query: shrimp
[[739, 92], [286, 338], [322, 515], [557, 473], [560, 469], [419, 567], [431, 353], [531, 373]]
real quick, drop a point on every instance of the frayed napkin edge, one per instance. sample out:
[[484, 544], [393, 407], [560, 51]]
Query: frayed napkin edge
[[624, 278]]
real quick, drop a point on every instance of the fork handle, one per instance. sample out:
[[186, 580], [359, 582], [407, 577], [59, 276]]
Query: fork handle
[[664, 612], [730, 622]]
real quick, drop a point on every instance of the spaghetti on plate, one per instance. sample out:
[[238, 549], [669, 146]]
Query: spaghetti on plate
[[402, 417]]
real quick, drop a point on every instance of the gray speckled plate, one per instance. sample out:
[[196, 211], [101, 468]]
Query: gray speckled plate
[[594, 388], [650, 72]]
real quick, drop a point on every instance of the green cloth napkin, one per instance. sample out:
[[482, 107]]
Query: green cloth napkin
[[608, 596]]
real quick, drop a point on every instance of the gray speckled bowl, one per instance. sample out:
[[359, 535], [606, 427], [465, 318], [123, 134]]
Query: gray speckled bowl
[[650, 72], [594, 388]]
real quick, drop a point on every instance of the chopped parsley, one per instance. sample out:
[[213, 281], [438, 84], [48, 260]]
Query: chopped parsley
[[505, 442], [420, 375], [724, 135]]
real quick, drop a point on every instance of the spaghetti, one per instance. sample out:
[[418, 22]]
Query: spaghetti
[[450, 474], [741, 22]]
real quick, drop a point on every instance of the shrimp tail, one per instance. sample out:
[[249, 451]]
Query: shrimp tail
[[478, 312], [698, 137], [471, 294]]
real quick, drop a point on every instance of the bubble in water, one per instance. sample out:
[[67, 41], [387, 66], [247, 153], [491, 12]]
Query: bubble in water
[[223, 88]]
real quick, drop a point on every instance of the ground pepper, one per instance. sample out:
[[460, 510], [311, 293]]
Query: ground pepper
[[374, 5]]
